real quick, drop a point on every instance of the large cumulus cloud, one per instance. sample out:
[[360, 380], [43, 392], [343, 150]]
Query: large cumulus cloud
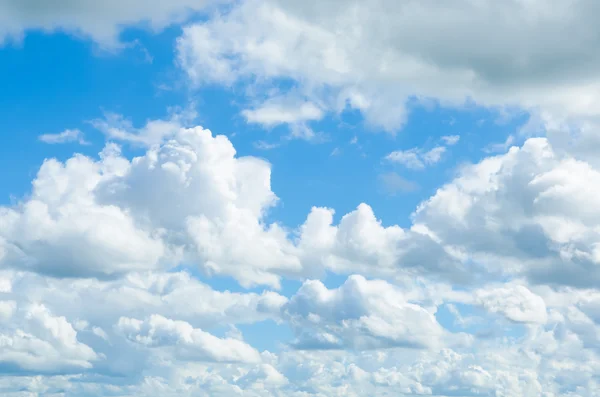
[[376, 57]]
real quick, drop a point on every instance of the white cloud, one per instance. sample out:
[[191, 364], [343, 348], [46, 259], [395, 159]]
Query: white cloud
[[62, 230], [109, 215], [417, 159], [516, 302], [78, 211], [374, 57], [451, 140], [281, 110], [103, 302], [361, 244], [274, 112], [105, 218], [360, 314], [154, 132], [93, 303], [64, 137], [32, 339], [409, 158], [434, 155], [74, 332], [189, 343], [527, 212], [103, 22]]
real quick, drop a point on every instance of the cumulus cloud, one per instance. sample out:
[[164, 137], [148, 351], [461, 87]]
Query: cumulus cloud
[[106, 217], [89, 279], [190, 343], [33, 340], [360, 314], [375, 57], [62, 230], [361, 244], [516, 302], [76, 329], [93, 300], [522, 213], [100, 303], [527, 212]]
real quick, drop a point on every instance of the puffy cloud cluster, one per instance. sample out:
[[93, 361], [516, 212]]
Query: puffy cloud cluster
[[34, 340], [528, 212], [104, 218], [90, 279], [360, 243], [108, 217], [189, 342], [515, 302], [360, 314], [493, 289], [376, 57]]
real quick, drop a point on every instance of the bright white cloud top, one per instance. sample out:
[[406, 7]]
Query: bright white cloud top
[[164, 265]]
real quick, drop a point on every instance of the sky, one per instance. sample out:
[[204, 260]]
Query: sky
[[307, 199]]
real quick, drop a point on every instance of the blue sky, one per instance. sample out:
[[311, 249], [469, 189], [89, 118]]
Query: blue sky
[[266, 198]]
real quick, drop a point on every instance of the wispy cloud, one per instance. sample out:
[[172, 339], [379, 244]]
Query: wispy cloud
[[451, 140], [67, 136], [263, 145], [336, 152], [415, 158], [392, 183], [500, 147], [419, 158]]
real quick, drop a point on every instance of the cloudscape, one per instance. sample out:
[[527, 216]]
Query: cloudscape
[[276, 198]]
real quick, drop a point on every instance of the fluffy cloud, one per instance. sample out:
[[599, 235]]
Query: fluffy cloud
[[92, 299], [96, 290], [190, 343], [33, 340], [360, 243], [62, 230], [102, 22], [85, 327], [360, 314], [527, 212], [374, 57], [102, 302], [106, 217], [516, 302]]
